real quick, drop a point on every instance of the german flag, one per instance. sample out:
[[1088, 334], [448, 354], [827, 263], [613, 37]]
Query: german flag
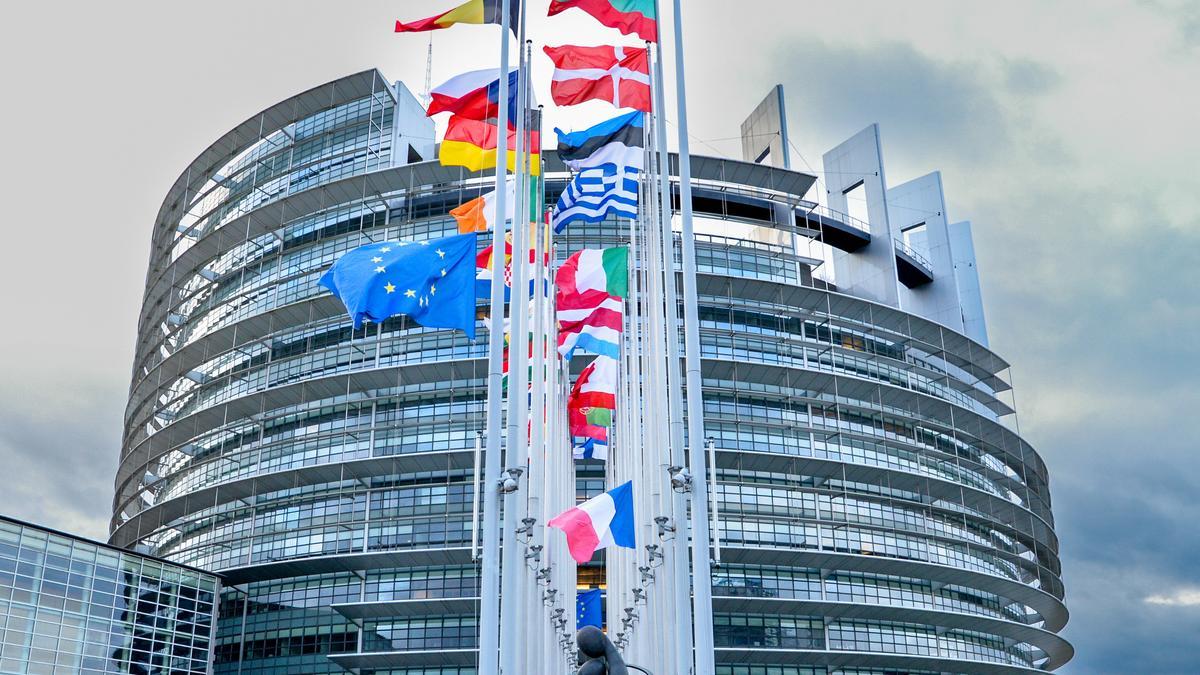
[[472, 144], [470, 12]]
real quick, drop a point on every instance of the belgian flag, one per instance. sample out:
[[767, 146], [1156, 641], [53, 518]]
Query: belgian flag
[[471, 12]]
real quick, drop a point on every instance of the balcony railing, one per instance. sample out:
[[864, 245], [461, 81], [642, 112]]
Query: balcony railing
[[911, 252], [846, 219]]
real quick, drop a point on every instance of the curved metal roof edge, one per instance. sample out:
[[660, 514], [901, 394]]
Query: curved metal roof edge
[[217, 148]]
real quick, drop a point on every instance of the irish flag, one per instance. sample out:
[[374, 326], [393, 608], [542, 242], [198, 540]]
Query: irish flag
[[479, 214], [602, 521], [627, 16], [592, 285]]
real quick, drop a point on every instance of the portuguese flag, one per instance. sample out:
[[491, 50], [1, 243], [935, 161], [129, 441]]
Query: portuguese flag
[[627, 16], [472, 11]]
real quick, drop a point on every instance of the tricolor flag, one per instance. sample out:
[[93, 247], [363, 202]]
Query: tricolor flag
[[479, 214], [474, 95], [619, 75], [472, 11], [484, 263], [595, 193], [619, 142], [602, 521], [627, 16], [472, 144], [590, 408], [592, 285]]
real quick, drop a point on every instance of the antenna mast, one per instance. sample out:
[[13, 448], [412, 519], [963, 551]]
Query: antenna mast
[[427, 96]]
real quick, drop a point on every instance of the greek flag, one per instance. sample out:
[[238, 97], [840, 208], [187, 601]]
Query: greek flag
[[595, 193]]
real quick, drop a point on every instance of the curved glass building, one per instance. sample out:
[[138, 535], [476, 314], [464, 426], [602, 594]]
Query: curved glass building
[[878, 514]]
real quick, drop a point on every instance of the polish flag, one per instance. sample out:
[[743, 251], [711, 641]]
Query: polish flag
[[619, 75], [602, 521]]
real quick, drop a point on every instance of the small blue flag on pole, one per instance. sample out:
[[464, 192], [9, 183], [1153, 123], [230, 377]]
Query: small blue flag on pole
[[432, 282], [588, 608]]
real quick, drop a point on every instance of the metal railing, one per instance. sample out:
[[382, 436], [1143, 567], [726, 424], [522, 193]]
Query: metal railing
[[911, 252], [846, 219]]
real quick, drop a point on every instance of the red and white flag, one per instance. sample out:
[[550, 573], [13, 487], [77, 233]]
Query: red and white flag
[[619, 75]]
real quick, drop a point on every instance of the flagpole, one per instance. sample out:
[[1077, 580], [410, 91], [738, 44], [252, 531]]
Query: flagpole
[[489, 605], [539, 460], [701, 569], [512, 606], [680, 576], [655, 457]]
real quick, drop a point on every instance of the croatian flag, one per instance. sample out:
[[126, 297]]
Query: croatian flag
[[602, 521]]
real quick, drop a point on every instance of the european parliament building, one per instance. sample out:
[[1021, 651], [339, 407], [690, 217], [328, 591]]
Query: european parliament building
[[878, 513]]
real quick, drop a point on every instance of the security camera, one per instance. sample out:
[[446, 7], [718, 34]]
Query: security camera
[[508, 485], [681, 479], [663, 527]]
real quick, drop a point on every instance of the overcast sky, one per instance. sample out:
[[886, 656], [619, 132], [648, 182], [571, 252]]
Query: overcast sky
[[1065, 131]]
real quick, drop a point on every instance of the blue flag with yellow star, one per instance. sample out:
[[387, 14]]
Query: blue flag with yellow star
[[589, 608], [432, 282]]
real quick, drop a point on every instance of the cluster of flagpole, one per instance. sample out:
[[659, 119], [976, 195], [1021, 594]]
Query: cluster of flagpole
[[658, 592]]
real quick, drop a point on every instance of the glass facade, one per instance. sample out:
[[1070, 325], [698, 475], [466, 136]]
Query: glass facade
[[874, 503], [73, 606]]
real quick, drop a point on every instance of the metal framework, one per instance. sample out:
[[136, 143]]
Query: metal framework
[[863, 474]]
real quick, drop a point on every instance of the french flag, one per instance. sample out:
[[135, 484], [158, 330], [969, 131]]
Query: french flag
[[602, 521]]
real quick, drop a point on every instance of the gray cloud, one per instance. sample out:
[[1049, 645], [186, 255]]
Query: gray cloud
[[1184, 14], [922, 103], [58, 448], [1089, 276]]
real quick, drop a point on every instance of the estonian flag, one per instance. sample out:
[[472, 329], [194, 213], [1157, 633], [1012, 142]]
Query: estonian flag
[[618, 143]]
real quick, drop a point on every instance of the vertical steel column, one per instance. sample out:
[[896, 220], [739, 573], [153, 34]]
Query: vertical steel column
[[680, 576], [516, 455], [701, 569], [489, 612]]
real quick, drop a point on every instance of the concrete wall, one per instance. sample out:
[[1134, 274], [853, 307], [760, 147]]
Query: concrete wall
[[764, 132], [871, 271], [918, 201], [412, 128], [966, 273]]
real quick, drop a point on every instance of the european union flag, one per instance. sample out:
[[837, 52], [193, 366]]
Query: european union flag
[[432, 282], [588, 608]]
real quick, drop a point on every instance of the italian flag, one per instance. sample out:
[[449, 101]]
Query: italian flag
[[627, 16], [595, 270], [592, 285]]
